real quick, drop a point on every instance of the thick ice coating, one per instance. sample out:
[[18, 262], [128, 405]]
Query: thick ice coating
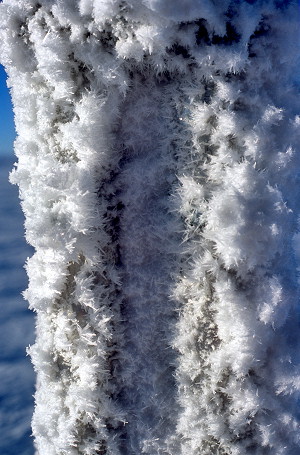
[[158, 166]]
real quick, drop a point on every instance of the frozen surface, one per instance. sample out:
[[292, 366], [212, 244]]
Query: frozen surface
[[159, 175]]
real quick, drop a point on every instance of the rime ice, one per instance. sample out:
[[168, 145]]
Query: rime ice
[[158, 166]]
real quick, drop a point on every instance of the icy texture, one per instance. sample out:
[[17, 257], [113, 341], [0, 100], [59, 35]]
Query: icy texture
[[159, 175]]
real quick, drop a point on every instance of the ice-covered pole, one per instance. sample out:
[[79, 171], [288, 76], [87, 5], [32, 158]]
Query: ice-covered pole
[[158, 166]]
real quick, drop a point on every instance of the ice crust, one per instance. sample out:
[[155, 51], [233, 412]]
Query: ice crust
[[158, 167]]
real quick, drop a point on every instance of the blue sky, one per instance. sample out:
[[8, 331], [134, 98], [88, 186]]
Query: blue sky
[[7, 130]]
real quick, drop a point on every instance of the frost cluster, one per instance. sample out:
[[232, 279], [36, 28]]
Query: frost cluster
[[158, 166]]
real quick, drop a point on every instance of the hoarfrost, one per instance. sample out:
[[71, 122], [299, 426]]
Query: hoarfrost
[[159, 175]]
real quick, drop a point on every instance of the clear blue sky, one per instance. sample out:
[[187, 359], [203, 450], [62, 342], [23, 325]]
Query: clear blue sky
[[7, 130]]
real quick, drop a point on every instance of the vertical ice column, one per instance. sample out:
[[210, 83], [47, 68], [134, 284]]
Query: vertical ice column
[[238, 334], [64, 147], [158, 171]]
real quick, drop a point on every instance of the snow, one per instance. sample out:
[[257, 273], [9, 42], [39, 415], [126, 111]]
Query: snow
[[159, 175]]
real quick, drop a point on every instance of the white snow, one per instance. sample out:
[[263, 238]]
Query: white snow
[[159, 177]]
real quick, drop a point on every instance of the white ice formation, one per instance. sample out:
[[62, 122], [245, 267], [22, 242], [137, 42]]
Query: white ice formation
[[158, 166]]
